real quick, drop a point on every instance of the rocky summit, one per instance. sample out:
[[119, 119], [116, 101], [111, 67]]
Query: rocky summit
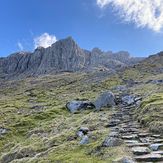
[[64, 104], [63, 56]]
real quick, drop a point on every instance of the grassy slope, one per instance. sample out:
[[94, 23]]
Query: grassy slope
[[34, 111]]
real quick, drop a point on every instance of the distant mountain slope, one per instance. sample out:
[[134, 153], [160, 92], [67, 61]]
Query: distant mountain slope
[[64, 55], [153, 63]]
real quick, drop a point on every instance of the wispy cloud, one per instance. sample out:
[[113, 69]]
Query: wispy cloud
[[45, 40], [20, 46], [144, 13]]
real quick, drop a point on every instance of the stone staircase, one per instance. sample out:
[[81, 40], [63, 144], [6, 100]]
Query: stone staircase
[[145, 146]]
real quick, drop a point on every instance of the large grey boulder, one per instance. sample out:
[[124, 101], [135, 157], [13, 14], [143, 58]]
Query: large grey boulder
[[77, 105], [106, 99], [112, 142]]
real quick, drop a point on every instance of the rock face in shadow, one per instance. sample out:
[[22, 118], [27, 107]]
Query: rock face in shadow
[[63, 56]]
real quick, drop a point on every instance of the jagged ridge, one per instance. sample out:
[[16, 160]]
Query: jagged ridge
[[64, 55]]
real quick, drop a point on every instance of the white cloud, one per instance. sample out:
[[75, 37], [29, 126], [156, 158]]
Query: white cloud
[[20, 46], [144, 13], [45, 40]]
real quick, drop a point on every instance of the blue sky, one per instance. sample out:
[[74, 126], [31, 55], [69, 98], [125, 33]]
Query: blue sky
[[90, 23]]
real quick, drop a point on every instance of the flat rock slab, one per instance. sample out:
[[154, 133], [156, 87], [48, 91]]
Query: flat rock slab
[[140, 150], [149, 157]]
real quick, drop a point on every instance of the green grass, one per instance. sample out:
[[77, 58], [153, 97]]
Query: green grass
[[150, 113], [47, 130]]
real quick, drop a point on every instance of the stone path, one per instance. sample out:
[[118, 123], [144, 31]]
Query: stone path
[[145, 146]]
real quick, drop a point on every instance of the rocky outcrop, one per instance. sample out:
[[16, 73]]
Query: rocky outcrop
[[64, 55]]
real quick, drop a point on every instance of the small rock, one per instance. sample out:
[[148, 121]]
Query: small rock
[[84, 140], [128, 99], [85, 130], [82, 131], [3, 131], [121, 88], [80, 134]]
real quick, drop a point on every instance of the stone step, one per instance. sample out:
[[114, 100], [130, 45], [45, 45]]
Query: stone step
[[130, 137], [140, 150], [157, 136], [149, 158], [131, 142], [158, 141], [158, 152], [139, 145], [144, 134], [146, 140], [156, 147], [128, 130]]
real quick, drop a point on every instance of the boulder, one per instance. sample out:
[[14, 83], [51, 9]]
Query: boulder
[[112, 142], [77, 105], [106, 99]]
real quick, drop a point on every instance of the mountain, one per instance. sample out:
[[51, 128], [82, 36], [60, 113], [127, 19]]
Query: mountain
[[64, 55]]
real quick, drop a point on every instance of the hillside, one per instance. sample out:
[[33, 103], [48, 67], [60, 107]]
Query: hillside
[[37, 127]]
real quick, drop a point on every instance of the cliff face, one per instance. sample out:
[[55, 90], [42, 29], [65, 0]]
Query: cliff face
[[64, 55]]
